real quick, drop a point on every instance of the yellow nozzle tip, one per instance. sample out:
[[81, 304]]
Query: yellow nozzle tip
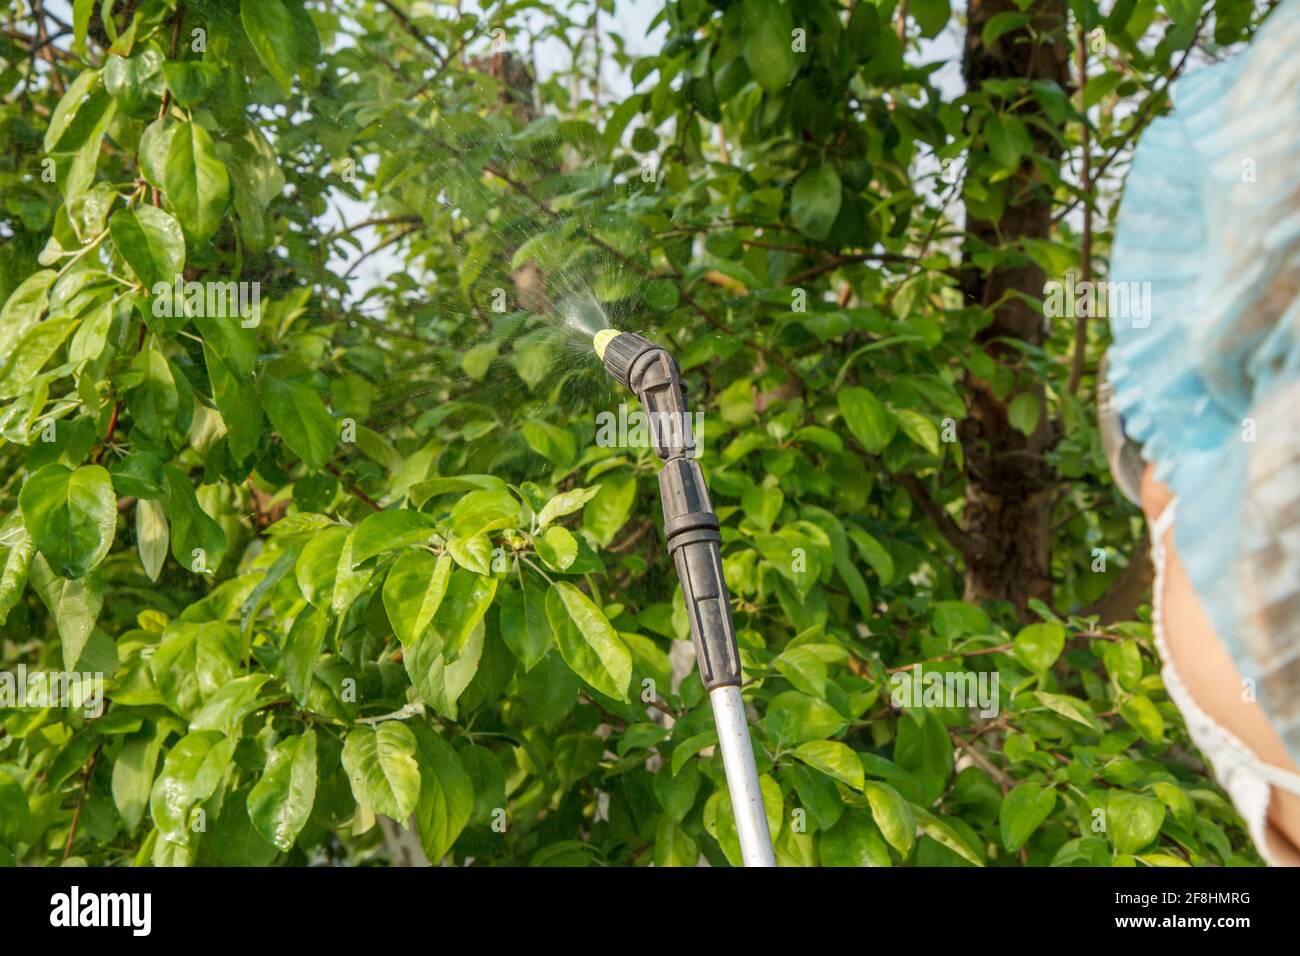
[[602, 340]]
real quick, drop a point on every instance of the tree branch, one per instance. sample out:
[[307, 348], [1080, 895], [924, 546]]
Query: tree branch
[[415, 32], [374, 221], [836, 261], [943, 521], [1128, 591], [373, 505], [1085, 244], [1141, 119]]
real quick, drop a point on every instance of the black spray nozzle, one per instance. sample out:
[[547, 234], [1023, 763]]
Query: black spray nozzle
[[652, 374], [620, 350]]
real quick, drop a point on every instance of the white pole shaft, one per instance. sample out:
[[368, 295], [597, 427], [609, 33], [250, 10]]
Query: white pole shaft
[[742, 776]]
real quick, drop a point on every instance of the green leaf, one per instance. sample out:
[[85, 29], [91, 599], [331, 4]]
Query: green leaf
[[302, 650], [1072, 708], [191, 773], [133, 80], [81, 11], [152, 536], [674, 846], [190, 80], [820, 796], [834, 759], [17, 549], [196, 181], [660, 294], [1001, 24], [32, 352], [15, 812], [953, 619], [240, 410], [854, 841], [931, 16], [1023, 413], [804, 668], [793, 717], [281, 801], [439, 674], [75, 605], [874, 553], [609, 509], [473, 553], [676, 793], [381, 766], [552, 442], [70, 515], [687, 749], [1123, 663], [24, 308], [133, 772], [946, 833], [762, 505], [768, 44], [477, 360], [413, 592], [588, 642], [566, 502], [155, 400], [1132, 820], [1037, 646], [1022, 812], [258, 180], [277, 37], [443, 661], [78, 113], [153, 150], [226, 709], [301, 419], [446, 794], [151, 242], [301, 522], [325, 571], [557, 547], [920, 429], [524, 625], [1141, 714], [869, 421], [1177, 801], [484, 510], [815, 201], [193, 661], [468, 597], [925, 750], [422, 491], [198, 542], [893, 815]]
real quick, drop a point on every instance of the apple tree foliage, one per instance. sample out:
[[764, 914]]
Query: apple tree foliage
[[361, 553]]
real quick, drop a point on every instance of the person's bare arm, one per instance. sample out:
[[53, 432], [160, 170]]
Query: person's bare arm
[[1213, 680]]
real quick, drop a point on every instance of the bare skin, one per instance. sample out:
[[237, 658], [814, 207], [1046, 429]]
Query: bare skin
[[1214, 682]]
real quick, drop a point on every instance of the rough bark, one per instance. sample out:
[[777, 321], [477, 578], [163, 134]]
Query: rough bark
[[1009, 485], [1129, 591]]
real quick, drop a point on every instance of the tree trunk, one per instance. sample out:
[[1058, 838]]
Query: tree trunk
[[1009, 484]]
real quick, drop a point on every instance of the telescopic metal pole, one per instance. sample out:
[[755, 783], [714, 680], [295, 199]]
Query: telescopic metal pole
[[691, 531]]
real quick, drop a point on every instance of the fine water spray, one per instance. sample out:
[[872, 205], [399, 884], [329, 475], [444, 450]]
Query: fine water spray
[[691, 532]]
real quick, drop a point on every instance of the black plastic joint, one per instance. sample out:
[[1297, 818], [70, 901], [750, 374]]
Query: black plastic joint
[[691, 530]]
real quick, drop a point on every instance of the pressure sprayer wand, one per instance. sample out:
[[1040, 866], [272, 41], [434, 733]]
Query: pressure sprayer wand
[[691, 530]]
